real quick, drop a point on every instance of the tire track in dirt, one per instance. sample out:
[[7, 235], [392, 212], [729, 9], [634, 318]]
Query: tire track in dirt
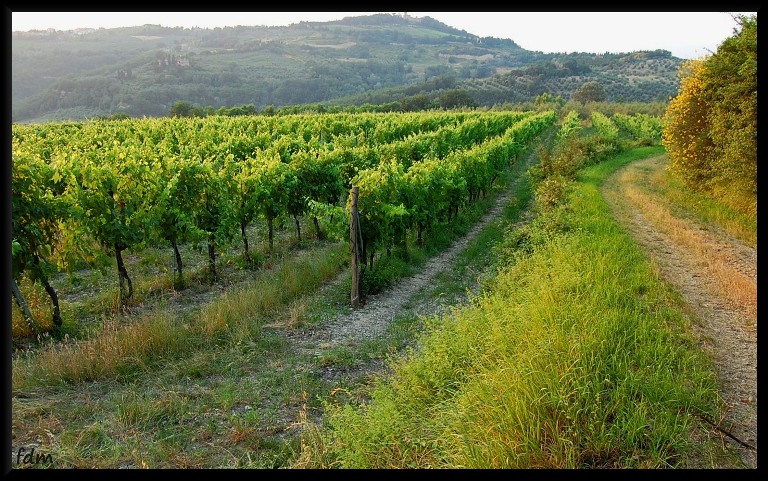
[[724, 330]]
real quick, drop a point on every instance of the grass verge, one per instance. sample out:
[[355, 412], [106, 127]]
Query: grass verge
[[704, 208], [577, 356]]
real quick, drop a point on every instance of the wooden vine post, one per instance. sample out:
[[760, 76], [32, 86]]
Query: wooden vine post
[[353, 237]]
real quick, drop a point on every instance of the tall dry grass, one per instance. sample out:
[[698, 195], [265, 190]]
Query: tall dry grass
[[727, 280], [122, 349]]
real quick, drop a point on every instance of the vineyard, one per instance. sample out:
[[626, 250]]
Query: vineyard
[[86, 191], [164, 271]]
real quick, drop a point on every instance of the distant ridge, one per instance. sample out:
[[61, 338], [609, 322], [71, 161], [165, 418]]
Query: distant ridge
[[381, 58]]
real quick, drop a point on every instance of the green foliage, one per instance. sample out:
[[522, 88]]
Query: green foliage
[[317, 179], [275, 180], [710, 128], [604, 125], [455, 99], [461, 164], [589, 92], [183, 109], [132, 183], [112, 192], [559, 164], [331, 218], [570, 125], [729, 87], [389, 269], [37, 210], [569, 155], [654, 109], [212, 211], [176, 204], [547, 101], [643, 127]]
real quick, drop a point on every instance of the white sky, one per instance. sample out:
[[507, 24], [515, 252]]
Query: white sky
[[685, 34]]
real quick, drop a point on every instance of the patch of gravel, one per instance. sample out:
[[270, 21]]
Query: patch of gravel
[[724, 331]]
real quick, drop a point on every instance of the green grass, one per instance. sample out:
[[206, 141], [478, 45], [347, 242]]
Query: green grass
[[579, 356], [225, 404]]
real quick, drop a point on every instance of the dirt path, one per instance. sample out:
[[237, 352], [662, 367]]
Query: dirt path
[[725, 329], [372, 320]]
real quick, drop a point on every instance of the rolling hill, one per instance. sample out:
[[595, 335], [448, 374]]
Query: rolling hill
[[144, 70]]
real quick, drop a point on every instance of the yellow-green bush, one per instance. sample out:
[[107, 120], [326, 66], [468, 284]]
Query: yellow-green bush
[[710, 128]]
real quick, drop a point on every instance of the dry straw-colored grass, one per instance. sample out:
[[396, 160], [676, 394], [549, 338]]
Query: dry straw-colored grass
[[734, 285], [121, 347], [732, 219]]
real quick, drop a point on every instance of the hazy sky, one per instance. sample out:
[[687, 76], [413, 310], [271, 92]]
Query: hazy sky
[[685, 34]]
